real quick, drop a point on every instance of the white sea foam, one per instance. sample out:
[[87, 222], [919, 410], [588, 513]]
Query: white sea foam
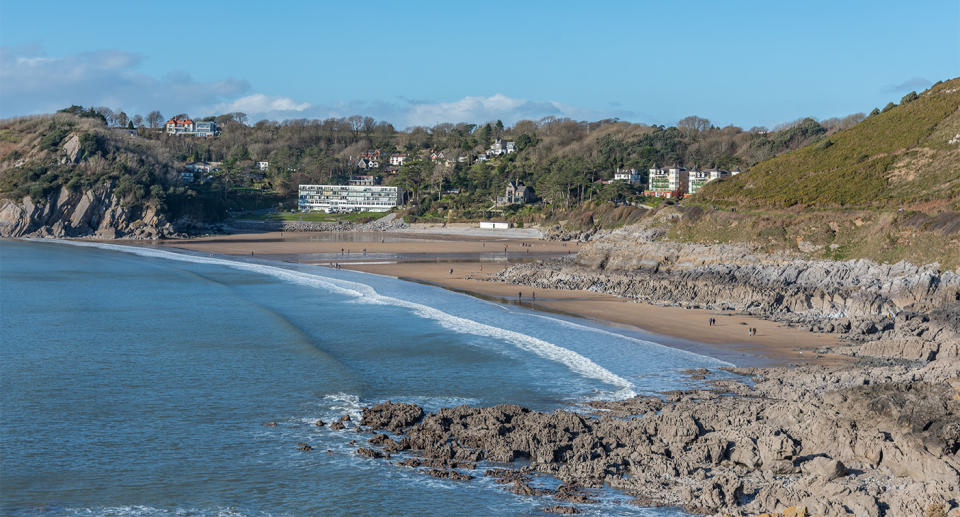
[[366, 294], [151, 511]]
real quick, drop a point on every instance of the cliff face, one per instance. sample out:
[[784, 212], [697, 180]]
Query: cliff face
[[96, 212], [915, 310]]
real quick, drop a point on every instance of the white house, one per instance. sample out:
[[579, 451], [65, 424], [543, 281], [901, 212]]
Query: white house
[[500, 147], [202, 166], [398, 160], [368, 163], [700, 178], [631, 176], [263, 165]]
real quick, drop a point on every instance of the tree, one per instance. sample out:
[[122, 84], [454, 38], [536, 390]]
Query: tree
[[137, 121], [498, 129], [693, 125], [154, 119], [106, 113], [122, 119], [484, 134]]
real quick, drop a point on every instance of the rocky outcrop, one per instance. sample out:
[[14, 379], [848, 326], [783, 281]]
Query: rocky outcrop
[[96, 213], [835, 441], [899, 310]]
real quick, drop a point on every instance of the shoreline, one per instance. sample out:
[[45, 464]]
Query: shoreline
[[428, 259]]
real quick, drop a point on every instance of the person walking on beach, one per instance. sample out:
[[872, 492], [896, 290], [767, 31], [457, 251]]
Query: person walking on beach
[[451, 271], [364, 252], [519, 296]]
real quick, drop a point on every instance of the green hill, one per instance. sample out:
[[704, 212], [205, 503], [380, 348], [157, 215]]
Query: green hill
[[907, 156], [887, 189]]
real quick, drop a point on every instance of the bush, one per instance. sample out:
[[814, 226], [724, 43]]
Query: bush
[[51, 140]]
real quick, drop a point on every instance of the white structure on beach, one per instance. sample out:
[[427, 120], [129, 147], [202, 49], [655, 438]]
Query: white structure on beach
[[494, 225], [347, 198]]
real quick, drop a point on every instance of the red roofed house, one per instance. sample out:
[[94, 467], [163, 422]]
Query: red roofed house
[[179, 125], [185, 126]]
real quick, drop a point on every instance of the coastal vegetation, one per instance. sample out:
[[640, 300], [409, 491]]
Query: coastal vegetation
[[883, 186]]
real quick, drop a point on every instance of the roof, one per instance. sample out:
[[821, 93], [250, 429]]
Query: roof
[[179, 121]]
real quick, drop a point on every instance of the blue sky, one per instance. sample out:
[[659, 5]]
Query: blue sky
[[418, 63]]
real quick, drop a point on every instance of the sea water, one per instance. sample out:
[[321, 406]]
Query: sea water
[[138, 381]]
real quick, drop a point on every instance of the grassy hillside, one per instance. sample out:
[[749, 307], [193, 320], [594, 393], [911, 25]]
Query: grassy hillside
[[901, 157], [887, 189]]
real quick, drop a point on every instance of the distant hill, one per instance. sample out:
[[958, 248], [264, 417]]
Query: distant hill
[[907, 156]]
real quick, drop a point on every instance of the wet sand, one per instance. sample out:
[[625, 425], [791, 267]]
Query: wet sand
[[429, 259]]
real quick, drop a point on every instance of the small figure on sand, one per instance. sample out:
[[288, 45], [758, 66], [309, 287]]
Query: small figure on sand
[[451, 271], [519, 295], [364, 252], [712, 321]]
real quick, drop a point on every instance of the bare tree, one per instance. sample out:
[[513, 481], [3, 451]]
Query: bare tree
[[122, 119], [137, 121], [107, 113], [154, 118], [693, 125]]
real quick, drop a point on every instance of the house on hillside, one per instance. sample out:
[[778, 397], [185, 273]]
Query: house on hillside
[[668, 182], [185, 126], [368, 163], [397, 160], [631, 176], [500, 147], [263, 166], [516, 193], [361, 181], [700, 178], [206, 167]]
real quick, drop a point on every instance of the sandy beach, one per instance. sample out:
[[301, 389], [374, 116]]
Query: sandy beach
[[429, 258]]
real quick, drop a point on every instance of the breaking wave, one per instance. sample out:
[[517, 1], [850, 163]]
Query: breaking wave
[[366, 294]]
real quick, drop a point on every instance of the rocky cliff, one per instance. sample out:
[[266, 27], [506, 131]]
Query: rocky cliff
[[96, 212], [899, 310]]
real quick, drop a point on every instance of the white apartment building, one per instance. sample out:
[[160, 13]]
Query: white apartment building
[[669, 182], [347, 198]]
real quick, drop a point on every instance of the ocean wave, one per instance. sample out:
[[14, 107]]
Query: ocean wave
[[151, 511], [364, 293], [646, 343]]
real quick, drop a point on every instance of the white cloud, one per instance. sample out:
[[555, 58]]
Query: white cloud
[[483, 109], [259, 103], [32, 82]]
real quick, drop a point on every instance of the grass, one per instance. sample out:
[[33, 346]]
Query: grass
[[853, 170]]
